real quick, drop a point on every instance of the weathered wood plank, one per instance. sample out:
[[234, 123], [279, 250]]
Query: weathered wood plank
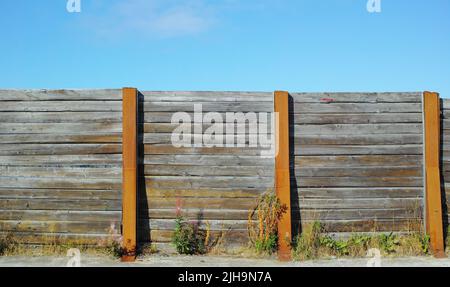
[[360, 203], [357, 182], [368, 139], [163, 96], [358, 161], [352, 129], [233, 107], [61, 160], [414, 97], [59, 194], [169, 224], [206, 192], [364, 192], [195, 127], [51, 204], [358, 150], [357, 118], [242, 137], [57, 226], [72, 172], [318, 214], [57, 182], [308, 108], [385, 171], [196, 213], [169, 149], [188, 170], [166, 117], [61, 106], [60, 149], [60, 95], [60, 117], [60, 138], [207, 160], [186, 203], [367, 225], [445, 104], [216, 182], [230, 236], [61, 215], [60, 128], [358, 214], [44, 238]]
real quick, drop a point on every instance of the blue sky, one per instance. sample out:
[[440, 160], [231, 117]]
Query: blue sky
[[248, 45]]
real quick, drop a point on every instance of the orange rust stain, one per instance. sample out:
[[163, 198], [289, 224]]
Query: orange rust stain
[[282, 173], [129, 183], [434, 225]]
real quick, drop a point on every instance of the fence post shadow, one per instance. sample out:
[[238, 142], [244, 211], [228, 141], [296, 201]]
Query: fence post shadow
[[442, 178], [295, 205], [143, 216]]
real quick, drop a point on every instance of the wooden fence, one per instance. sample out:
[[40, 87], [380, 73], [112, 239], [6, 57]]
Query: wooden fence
[[357, 162], [60, 164], [218, 185]]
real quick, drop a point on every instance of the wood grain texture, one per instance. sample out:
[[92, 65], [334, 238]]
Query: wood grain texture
[[129, 173], [358, 160], [282, 173], [445, 159], [60, 164], [431, 108], [355, 162]]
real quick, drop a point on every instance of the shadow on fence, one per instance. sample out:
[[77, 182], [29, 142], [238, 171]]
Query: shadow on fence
[[445, 218], [143, 216], [295, 205]]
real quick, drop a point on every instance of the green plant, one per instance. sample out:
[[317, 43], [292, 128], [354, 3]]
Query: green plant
[[425, 242], [338, 247], [307, 244], [388, 242], [7, 244], [188, 238], [264, 236]]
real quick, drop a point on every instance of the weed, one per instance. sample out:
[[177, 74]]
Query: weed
[[388, 242], [307, 244], [448, 239], [264, 236], [315, 243], [188, 238], [7, 243]]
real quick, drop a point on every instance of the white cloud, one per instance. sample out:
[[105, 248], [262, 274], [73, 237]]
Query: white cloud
[[152, 17]]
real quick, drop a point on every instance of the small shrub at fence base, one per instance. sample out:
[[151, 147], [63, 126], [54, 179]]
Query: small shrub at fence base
[[7, 243], [315, 243], [187, 238], [264, 234]]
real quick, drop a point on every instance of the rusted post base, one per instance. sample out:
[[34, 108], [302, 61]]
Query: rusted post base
[[129, 170], [282, 173], [433, 203]]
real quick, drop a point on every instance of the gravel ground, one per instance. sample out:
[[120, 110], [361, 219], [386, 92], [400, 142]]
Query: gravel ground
[[199, 261]]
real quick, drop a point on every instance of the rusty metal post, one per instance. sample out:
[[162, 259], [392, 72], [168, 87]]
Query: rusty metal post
[[129, 171], [282, 174], [433, 202]]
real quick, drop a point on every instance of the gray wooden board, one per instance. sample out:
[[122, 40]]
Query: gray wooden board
[[60, 95], [60, 117], [60, 128], [62, 106], [308, 108], [357, 118], [412, 97]]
